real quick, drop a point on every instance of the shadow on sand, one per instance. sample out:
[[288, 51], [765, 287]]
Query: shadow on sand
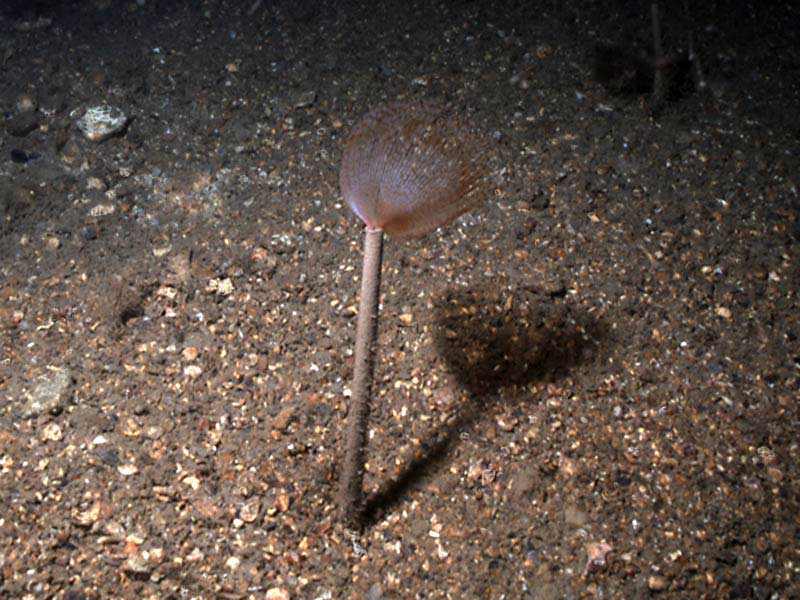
[[495, 344]]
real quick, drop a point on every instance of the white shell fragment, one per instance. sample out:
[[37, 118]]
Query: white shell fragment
[[102, 210], [101, 122]]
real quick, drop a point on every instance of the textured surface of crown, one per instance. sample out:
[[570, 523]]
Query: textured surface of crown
[[410, 167]]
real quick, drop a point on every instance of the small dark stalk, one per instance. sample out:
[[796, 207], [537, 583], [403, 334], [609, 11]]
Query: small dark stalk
[[700, 83], [659, 89], [351, 483]]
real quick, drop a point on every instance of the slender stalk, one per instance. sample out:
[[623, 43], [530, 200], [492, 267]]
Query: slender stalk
[[658, 57], [699, 79], [351, 484]]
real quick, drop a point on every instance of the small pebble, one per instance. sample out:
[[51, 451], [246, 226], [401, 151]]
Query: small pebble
[[193, 371], [101, 122], [137, 564], [305, 99], [127, 469], [52, 432], [657, 583], [95, 183], [282, 501], [50, 394], [277, 594], [250, 509], [87, 517], [26, 103], [723, 311]]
